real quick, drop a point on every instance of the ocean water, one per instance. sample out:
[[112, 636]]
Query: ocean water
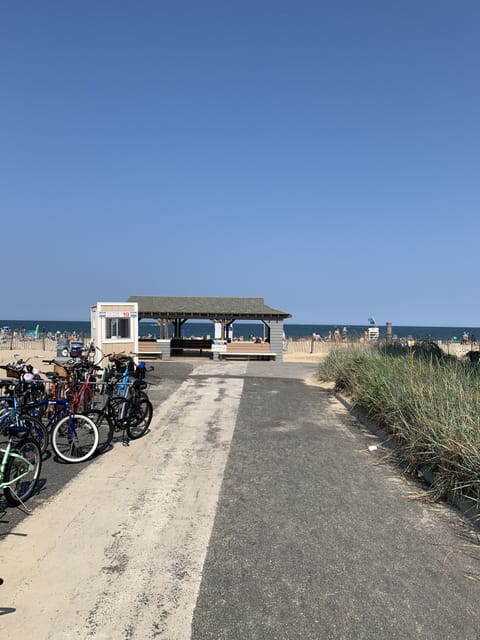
[[81, 329]]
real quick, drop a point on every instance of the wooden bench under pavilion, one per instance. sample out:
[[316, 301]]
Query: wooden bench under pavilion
[[148, 350], [247, 351]]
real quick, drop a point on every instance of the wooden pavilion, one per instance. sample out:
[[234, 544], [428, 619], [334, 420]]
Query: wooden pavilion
[[223, 312]]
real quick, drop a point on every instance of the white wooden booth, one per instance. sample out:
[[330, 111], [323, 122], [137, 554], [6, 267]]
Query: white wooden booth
[[114, 326]]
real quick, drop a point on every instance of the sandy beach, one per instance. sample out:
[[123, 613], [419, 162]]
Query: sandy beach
[[35, 357], [304, 357]]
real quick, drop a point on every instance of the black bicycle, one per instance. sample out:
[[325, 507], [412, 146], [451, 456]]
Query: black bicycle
[[127, 407]]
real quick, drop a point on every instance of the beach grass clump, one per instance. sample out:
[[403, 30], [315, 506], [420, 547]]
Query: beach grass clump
[[427, 401]]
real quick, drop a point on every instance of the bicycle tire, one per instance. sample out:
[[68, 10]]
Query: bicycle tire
[[105, 429], [26, 426], [34, 395], [36, 430], [23, 488], [139, 418], [119, 409], [78, 447]]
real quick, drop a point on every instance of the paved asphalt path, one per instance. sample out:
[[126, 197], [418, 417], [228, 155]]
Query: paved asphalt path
[[253, 510]]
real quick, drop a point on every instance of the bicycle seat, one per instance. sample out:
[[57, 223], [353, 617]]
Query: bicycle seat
[[140, 384]]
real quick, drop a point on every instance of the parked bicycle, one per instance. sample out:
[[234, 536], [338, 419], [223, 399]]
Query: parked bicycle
[[74, 435], [76, 384], [20, 467], [11, 413], [23, 373], [126, 407], [134, 409]]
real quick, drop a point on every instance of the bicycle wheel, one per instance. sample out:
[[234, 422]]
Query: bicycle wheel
[[105, 429], [23, 473], [36, 430], [119, 408], [35, 394], [75, 438], [26, 426], [139, 417]]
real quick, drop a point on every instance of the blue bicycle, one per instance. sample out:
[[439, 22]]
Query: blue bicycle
[[74, 436], [25, 425]]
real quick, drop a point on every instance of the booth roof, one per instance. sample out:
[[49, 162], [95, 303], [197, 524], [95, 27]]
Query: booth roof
[[209, 307]]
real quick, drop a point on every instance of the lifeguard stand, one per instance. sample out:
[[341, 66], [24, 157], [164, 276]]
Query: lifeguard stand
[[114, 326]]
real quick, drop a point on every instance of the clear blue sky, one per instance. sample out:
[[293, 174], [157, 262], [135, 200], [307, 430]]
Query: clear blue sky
[[322, 155]]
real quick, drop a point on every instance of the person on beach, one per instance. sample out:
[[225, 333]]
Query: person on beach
[[336, 334]]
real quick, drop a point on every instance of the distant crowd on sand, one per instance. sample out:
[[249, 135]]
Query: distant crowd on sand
[[468, 339], [30, 334], [251, 338], [336, 336]]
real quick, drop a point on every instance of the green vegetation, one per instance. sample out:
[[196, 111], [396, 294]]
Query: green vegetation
[[429, 402]]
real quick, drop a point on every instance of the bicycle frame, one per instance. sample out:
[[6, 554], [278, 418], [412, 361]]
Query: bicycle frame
[[63, 389], [63, 409], [12, 412], [122, 387]]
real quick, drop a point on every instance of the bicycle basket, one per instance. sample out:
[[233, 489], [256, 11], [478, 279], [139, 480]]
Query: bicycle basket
[[61, 371], [122, 365]]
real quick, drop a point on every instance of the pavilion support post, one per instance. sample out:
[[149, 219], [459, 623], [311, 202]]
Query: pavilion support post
[[275, 332], [266, 332], [177, 328], [163, 328]]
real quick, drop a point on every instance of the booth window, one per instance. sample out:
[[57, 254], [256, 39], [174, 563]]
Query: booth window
[[117, 328]]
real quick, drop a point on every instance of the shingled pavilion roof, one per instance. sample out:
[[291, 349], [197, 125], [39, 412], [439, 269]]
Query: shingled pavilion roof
[[211, 308]]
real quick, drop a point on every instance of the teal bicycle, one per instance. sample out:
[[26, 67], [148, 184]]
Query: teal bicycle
[[20, 466]]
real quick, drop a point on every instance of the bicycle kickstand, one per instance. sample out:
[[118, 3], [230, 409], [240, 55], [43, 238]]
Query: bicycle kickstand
[[125, 440], [29, 511]]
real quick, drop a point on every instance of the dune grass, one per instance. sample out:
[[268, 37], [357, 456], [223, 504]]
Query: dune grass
[[427, 401]]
